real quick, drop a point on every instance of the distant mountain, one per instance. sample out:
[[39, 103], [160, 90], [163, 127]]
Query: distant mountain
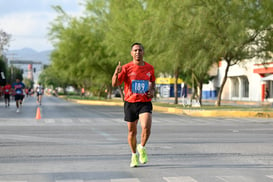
[[30, 54]]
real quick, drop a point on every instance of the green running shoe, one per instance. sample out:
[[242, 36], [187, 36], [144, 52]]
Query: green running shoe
[[134, 160], [143, 158]]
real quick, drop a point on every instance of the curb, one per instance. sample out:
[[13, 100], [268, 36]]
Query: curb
[[188, 112], [95, 102], [228, 113]]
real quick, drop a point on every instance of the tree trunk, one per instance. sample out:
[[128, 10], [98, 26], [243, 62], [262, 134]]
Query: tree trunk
[[121, 93], [175, 86], [218, 102], [64, 89], [200, 95], [193, 87], [109, 91]]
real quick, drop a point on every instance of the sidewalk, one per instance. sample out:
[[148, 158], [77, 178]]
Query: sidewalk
[[194, 112]]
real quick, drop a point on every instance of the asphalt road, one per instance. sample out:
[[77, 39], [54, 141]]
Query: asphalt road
[[84, 143]]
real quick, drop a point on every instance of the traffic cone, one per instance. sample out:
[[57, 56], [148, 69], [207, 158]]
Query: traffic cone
[[38, 113]]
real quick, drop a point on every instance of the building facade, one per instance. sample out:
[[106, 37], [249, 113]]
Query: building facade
[[246, 82]]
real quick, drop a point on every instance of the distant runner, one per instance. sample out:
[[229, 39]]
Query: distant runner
[[40, 92], [18, 88], [7, 91]]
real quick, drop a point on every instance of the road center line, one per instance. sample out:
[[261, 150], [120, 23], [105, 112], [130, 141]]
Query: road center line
[[179, 179]]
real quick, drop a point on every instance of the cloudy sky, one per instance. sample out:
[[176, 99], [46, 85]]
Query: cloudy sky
[[28, 20]]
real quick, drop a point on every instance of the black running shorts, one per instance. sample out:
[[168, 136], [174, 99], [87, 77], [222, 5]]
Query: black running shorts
[[7, 96], [19, 97], [132, 110]]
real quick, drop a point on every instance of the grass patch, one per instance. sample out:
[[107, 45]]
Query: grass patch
[[84, 97], [213, 107], [267, 108], [94, 98]]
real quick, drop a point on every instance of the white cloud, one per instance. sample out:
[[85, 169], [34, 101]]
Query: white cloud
[[27, 29], [29, 24], [25, 23]]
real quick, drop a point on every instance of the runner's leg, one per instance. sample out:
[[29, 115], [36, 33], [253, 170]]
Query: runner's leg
[[132, 132], [8, 99], [40, 99], [146, 124]]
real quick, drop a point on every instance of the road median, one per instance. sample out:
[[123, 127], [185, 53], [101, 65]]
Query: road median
[[194, 112]]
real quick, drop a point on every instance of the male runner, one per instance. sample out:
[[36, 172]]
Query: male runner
[[18, 88], [139, 81]]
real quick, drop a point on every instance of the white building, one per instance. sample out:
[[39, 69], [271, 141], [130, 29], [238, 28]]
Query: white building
[[246, 82]]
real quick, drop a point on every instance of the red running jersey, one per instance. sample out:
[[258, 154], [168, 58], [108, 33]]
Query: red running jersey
[[7, 89], [136, 81]]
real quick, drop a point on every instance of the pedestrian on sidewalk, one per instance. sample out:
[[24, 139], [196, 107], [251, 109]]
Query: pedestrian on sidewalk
[[82, 92], [266, 94], [139, 82]]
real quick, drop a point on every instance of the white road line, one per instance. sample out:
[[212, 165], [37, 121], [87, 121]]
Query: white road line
[[11, 181], [269, 176], [179, 179], [73, 180], [222, 178], [49, 120], [125, 180], [234, 178]]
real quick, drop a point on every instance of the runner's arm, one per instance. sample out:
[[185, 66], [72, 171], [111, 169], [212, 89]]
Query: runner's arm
[[115, 81], [151, 91]]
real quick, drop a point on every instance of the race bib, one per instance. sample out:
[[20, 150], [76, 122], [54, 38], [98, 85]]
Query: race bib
[[7, 90], [140, 86], [18, 91]]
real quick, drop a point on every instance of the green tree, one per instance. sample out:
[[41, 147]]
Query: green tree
[[28, 83], [79, 50], [51, 77], [180, 37], [174, 40], [240, 30], [67, 38], [4, 40], [15, 73]]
